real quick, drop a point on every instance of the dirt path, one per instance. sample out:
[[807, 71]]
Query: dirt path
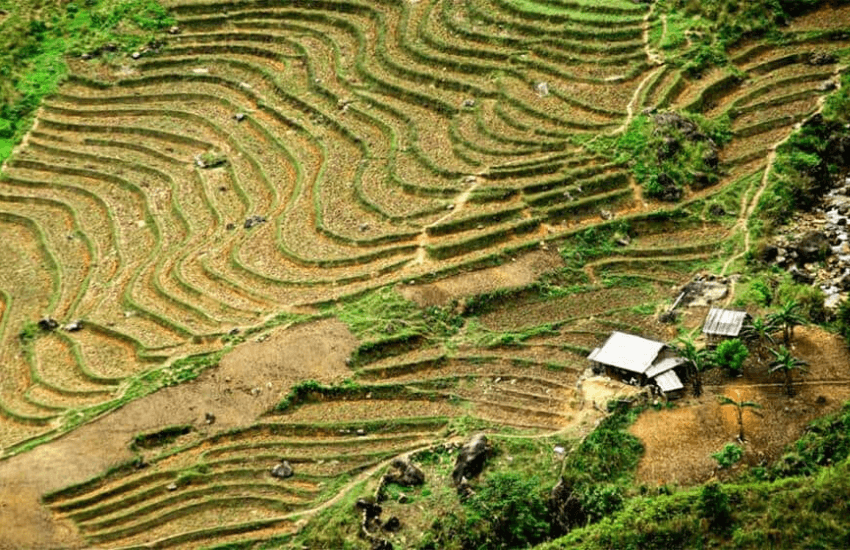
[[458, 204], [747, 209], [249, 381]]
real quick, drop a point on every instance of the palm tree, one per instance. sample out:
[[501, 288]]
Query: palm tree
[[787, 317], [760, 331], [739, 406], [698, 359], [787, 364]]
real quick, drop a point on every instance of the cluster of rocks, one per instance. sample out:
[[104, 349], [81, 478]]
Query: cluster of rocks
[[49, 324], [468, 464], [816, 251], [253, 221]]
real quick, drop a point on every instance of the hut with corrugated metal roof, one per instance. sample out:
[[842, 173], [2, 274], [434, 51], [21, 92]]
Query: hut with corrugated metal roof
[[721, 324], [639, 361]]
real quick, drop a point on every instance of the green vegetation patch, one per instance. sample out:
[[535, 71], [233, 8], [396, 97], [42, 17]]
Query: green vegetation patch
[[36, 37], [809, 162], [669, 151]]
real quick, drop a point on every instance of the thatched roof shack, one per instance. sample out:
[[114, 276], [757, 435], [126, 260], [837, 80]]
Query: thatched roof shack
[[724, 323], [639, 359]]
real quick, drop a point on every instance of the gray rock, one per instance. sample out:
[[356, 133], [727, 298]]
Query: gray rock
[[542, 89], [471, 458], [48, 324], [253, 221], [283, 470], [406, 474], [73, 326], [813, 247]]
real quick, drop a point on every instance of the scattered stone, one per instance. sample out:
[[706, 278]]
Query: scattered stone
[[542, 89], [135, 55], [73, 326], [48, 324], [209, 419], [471, 458], [361, 432], [450, 207], [233, 332], [283, 470], [239, 117], [821, 58], [469, 103], [402, 498], [827, 86], [86, 56], [171, 486], [253, 221], [174, 30], [605, 214], [230, 226], [364, 227]]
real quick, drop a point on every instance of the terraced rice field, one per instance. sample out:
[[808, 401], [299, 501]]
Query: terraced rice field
[[356, 145]]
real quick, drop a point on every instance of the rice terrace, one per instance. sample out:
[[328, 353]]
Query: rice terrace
[[426, 274]]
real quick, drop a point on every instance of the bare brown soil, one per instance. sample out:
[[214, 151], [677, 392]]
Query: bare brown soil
[[679, 442], [311, 351], [521, 271]]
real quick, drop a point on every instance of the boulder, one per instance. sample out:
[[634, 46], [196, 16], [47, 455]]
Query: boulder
[[369, 507], [48, 324], [406, 474], [392, 524], [813, 247], [283, 470], [73, 326], [471, 458]]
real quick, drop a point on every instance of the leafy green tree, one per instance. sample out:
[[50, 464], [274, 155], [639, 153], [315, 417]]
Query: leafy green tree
[[759, 332], [739, 408], [731, 354], [787, 364], [697, 359], [787, 317]]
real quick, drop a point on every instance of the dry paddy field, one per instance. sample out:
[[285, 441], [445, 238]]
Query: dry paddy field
[[276, 155]]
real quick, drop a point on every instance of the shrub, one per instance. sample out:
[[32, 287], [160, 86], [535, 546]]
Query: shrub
[[714, 506], [508, 511], [731, 354], [728, 456]]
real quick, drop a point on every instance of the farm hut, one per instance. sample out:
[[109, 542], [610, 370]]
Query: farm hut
[[640, 361], [723, 323]]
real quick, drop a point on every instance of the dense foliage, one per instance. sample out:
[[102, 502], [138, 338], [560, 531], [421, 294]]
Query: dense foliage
[[670, 151], [799, 502]]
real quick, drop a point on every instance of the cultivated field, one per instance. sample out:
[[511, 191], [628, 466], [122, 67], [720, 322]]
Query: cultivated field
[[276, 157]]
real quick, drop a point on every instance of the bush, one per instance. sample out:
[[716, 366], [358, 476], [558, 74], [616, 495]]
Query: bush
[[714, 506], [508, 511], [730, 354], [728, 456]]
